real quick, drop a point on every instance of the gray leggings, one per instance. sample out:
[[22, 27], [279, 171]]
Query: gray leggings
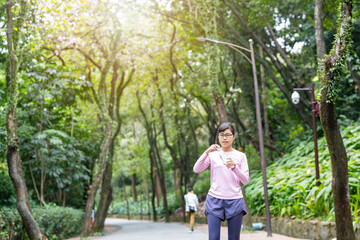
[[234, 227]]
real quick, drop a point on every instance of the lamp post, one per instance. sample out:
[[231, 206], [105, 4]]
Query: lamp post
[[295, 97], [258, 117]]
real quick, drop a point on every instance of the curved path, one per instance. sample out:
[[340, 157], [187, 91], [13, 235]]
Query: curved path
[[147, 230]]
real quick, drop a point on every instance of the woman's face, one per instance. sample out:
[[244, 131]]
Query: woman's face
[[226, 138]]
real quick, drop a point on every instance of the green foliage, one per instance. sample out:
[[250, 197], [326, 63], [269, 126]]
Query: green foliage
[[290, 130], [173, 202], [202, 185], [59, 222], [291, 181], [47, 114], [64, 161], [54, 95], [348, 101], [11, 226], [55, 222], [7, 191], [3, 111], [253, 158]]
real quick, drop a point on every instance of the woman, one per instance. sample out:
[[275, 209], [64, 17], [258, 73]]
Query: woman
[[225, 199]]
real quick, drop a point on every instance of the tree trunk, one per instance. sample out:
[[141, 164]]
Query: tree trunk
[[159, 168], [339, 165], [133, 186], [319, 31], [186, 158], [113, 110], [177, 159], [153, 185], [161, 174], [340, 177], [34, 181], [182, 198], [12, 155], [17, 177], [149, 133], [126, 199], [221, 109], [105, 110], [40, 158], [147, 192], [64, 198], [94, 187], [106, 192], [44, 161], [141, 201], [105, 198], [176, 180], [157, 187], [180, 171]]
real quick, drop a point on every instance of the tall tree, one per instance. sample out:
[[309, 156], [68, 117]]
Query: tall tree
[[207, 20], [14, 26], [152, 155], [116, 90], [103, 64], [95, 46], [334, 66], [267, 38]]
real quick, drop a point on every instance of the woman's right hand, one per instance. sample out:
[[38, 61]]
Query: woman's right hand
[[212, 148]]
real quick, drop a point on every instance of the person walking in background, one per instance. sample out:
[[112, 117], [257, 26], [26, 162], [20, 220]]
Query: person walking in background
[[225, 199], [191, 202]]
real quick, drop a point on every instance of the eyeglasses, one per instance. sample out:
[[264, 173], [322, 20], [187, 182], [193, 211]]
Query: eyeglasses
[[226, 135]]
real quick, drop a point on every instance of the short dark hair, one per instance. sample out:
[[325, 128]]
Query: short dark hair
[[190, 189], [226, 125]]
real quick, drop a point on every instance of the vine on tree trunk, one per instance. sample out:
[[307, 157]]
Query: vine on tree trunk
[[337, 67]]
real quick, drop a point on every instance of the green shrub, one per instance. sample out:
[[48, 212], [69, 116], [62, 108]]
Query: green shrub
[[55, 222], [173, 202], [11, 226], [7, 191], [202, 185], [61, 222]]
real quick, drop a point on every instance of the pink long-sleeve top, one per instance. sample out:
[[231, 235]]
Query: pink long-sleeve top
[[224, 180]]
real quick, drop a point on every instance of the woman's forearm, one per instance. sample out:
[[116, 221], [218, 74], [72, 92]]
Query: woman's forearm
[[242, 175], [202, 163]]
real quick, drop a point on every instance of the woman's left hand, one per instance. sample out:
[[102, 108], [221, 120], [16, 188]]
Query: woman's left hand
[[230, 163]]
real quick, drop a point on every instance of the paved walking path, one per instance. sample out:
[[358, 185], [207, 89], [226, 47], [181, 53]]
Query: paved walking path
[[123, 229]]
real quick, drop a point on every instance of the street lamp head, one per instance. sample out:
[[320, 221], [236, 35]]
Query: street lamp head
[[201, 39], [295, 97]]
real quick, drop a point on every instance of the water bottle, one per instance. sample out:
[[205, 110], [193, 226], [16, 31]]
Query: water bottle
[[222, 155], [258, 226]]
